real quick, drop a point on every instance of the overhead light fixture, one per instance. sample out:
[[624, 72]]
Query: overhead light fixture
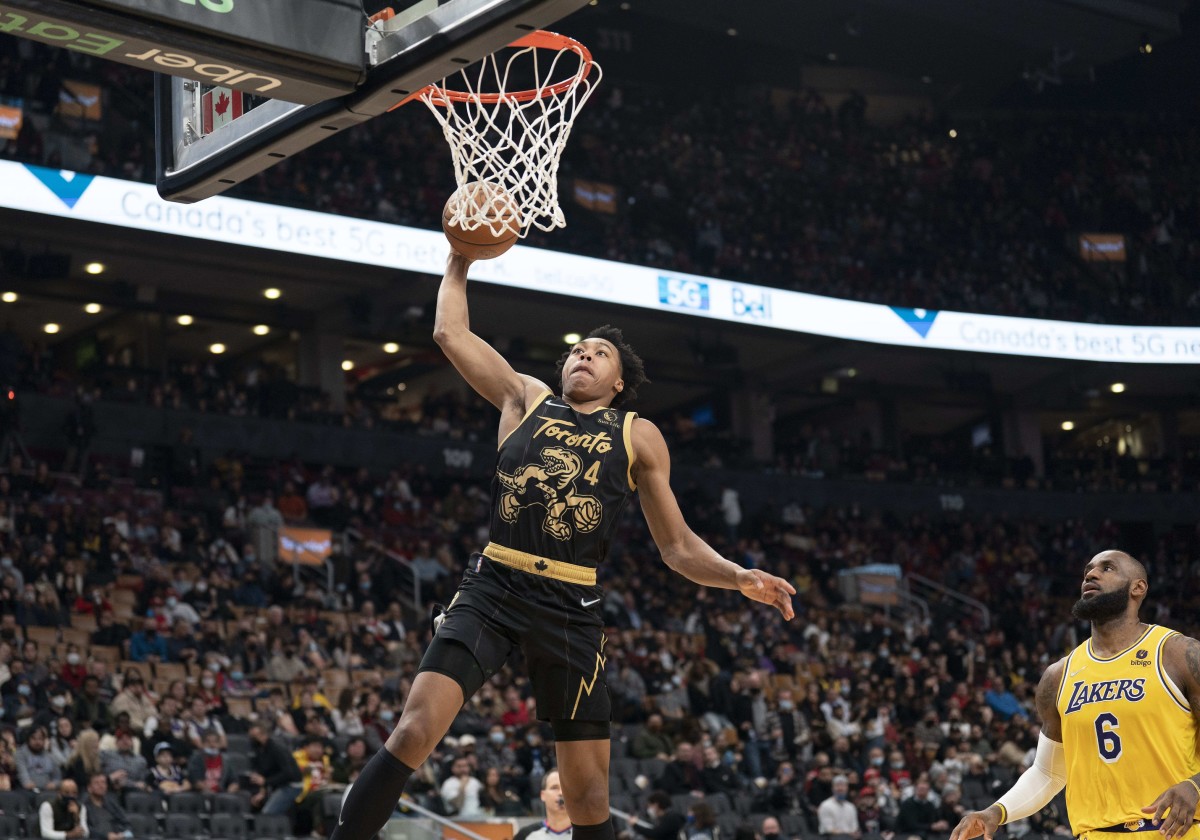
[[94, 268], [1067, 425], [9, 297], [1144, 45], [731, 32], [216, 349], [272, 293], [953, 133], [402, 387], [391, 347], [832, 56], [185, 320], [261, 329], [347, 365], [572, 338], [92, 309], [51, 328], [1117, 387]]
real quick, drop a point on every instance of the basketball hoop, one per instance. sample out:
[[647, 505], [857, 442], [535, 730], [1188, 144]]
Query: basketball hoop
[[515, 138]]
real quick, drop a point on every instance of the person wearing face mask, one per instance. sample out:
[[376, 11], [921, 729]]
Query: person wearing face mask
[[666, 822], [208, 771], [73, 671], [770, 829], [179, 610], [63, 818], [837, 816]]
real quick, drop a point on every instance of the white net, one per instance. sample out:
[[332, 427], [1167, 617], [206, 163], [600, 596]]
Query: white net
[[514, 139]]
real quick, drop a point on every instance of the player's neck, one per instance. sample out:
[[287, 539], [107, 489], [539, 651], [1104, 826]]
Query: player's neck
[[587, 406], [1115, 635]]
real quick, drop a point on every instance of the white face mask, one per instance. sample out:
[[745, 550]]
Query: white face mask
[[208, 682], [73, 658]]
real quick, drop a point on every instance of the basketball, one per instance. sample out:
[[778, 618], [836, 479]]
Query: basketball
[[496, 211]]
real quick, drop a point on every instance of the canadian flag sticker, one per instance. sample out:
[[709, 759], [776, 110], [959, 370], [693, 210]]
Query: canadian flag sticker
[[220, 106]]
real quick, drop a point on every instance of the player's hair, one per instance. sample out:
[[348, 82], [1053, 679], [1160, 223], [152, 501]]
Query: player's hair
[[633, 370]]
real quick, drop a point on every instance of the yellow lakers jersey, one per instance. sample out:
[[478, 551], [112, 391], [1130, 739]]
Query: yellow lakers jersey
[[1128, 732]]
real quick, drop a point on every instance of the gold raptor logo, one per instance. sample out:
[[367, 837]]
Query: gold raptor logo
[[551, 485]]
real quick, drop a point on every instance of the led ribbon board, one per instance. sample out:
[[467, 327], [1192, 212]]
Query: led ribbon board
[[302, 51], [138, 206]]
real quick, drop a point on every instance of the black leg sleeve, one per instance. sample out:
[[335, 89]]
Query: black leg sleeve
[[372, 797], [600, 831]]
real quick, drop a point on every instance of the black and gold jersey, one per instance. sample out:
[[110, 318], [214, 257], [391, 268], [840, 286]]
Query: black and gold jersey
[[561, 481]]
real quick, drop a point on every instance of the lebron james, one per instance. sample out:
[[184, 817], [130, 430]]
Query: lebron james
[[1119, 722], [566, 466]]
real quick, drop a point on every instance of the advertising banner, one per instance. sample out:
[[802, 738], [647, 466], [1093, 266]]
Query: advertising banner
[[110, 201]]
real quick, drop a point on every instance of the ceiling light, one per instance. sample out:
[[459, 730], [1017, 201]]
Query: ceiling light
[[832, 56], [94, 268], [92, 309], [51, 328], [953, 133], [1067, 425], [347, 365], [572, 338], [272, 293], [391, 347], [731, 32], [928, 80], [261, 329], [1117, 387], [9, 297], [402, 387], [185, 320], [216, 349]]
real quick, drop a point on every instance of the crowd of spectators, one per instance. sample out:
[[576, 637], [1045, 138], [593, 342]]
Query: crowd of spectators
[[759, 185], [155, 652]]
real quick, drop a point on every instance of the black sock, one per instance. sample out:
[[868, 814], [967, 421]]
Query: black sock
[[372, 797], [599, 831]]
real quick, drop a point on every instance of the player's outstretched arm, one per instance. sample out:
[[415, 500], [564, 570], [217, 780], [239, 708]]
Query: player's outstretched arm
[[485, 370], [1037, 785], [1174, 809], [681, 549]]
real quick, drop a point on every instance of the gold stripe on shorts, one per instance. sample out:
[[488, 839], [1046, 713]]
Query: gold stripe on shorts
[[544, 566]]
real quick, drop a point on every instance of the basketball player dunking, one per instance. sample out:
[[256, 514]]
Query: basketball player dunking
[[567, 464], [1119, 722]]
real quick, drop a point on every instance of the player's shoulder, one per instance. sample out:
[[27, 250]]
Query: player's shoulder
[[648, 440]]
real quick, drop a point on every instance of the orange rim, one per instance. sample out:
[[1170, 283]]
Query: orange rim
[[541, 40]]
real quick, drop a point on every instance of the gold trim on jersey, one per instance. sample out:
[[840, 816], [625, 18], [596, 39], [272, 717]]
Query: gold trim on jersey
[[584, 685], [543, 566], [1141, 639], [627, 436], [532, 408], [1062, 681], [1165, 678]]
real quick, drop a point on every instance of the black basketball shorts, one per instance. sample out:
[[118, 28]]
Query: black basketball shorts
[[556, 624]]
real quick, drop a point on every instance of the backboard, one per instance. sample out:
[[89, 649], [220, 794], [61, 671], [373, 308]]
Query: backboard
[[200, 153]]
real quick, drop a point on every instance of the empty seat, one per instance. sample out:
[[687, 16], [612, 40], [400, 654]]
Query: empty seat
[[188, 802], [183, 826], [143, 802], [228, 827], [273, 826], [142, 825]]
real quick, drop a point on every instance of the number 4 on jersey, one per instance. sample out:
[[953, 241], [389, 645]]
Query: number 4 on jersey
[[593, 474]]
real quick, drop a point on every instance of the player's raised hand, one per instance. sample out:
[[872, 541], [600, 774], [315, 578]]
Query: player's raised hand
[[775, 591], [975, 824], [1173, 811]]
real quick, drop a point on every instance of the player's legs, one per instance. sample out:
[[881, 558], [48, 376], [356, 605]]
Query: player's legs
[[583, 771], [432, 705]]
